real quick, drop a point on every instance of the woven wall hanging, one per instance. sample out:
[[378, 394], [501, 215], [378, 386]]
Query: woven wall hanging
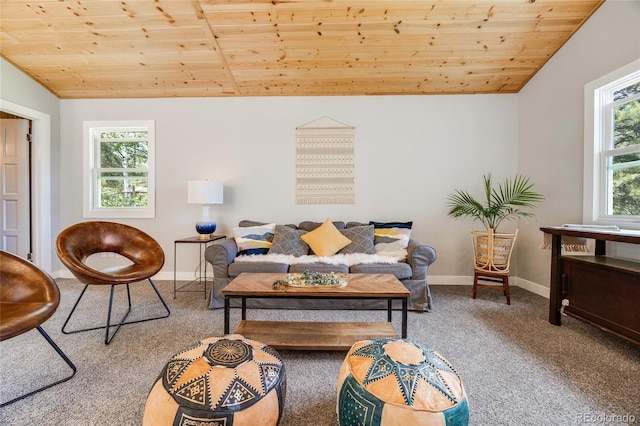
[[324, 162]]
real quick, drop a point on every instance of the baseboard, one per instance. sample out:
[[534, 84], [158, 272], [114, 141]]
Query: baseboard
[[160, 276], [449, 280], [535, 288]]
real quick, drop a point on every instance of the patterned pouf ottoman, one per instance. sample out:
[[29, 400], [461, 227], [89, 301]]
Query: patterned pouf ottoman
[[227, 380], [399, 382]]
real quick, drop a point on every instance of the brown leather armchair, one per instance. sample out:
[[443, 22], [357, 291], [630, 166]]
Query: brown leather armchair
[[76, 243], [28, 297]]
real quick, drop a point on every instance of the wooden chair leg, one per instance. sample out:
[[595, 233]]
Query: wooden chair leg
[[475, 284], [497, 279], [506, 290]]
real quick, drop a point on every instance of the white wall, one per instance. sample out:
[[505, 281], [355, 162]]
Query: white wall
[[22, 96], [410, 153], [551, 120]]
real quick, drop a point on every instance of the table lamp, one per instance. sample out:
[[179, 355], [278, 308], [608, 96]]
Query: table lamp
[[206, 193]]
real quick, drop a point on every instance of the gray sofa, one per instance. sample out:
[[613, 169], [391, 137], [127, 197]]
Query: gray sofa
[[411, 271]]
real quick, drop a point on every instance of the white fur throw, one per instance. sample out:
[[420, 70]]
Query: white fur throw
[[348, 259]]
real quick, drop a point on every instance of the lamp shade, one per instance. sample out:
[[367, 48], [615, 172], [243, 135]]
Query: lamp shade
[[205, 192]]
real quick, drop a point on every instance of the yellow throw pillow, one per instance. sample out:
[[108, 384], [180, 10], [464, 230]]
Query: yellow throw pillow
[[325, 240]]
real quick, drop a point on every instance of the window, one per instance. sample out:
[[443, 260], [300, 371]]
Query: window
[[119, 178], [612, 148]]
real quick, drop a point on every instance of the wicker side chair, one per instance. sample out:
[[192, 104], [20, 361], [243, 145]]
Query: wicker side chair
[[492, 257]]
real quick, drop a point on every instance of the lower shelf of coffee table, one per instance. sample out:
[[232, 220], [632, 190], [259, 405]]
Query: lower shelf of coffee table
[[314, 336]]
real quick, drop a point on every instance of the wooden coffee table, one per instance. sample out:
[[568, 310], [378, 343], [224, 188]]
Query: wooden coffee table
[[331, 336]]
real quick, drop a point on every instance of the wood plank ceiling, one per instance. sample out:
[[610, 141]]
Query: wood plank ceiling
[[178, 48]]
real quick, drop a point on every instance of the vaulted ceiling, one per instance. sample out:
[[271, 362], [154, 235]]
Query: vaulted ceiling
[[176, 48]]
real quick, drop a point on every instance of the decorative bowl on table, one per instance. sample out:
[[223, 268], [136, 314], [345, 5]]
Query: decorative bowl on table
[[313, 279]]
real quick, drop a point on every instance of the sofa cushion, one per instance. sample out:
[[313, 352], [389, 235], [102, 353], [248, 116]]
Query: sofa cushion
[[254, 239], [400, 270], [352, 224], [310, 226], [237, 268], [245, 223], [361, 240], [326, 239], [318, 267], [287, 241], [391, 236]]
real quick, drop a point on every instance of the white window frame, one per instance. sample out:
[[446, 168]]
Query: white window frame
[[597, 138], [90, 182]]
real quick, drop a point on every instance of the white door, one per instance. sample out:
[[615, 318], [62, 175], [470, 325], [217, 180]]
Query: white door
[[15, 218]]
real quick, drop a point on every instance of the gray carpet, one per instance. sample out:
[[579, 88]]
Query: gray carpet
[[517, 368]]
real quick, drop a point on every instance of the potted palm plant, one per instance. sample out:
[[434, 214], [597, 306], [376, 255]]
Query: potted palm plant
[[502, 203]]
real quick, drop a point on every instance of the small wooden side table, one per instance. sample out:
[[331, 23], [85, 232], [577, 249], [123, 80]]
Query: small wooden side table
[[202, 276]]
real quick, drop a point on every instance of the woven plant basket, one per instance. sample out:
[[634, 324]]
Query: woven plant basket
[[492, 251]]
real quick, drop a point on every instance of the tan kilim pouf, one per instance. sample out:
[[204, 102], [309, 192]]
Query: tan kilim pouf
[[227, 380], [399, 382]]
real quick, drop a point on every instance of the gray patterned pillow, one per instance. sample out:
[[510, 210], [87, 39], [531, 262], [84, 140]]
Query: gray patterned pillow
[[361, 240], [286, 240]]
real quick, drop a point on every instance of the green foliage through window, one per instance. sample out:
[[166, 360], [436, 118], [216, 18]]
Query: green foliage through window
[[625, 166], [122, 171]]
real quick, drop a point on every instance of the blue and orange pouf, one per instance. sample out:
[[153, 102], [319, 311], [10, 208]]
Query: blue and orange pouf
[[227, 380], [399, 382]]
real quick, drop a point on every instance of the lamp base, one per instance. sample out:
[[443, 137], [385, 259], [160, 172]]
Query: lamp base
[[205, 228]]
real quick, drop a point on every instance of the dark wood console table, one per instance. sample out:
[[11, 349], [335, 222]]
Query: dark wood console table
[[601, 290]]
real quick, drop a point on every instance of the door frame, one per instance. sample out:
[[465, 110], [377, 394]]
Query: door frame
[[41, 179]]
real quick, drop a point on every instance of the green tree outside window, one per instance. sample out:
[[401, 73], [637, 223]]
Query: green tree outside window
[[626, 167], [122, 174]]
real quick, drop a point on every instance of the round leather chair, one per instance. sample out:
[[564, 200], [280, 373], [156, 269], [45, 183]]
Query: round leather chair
[[28, 297], [78, 242]]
